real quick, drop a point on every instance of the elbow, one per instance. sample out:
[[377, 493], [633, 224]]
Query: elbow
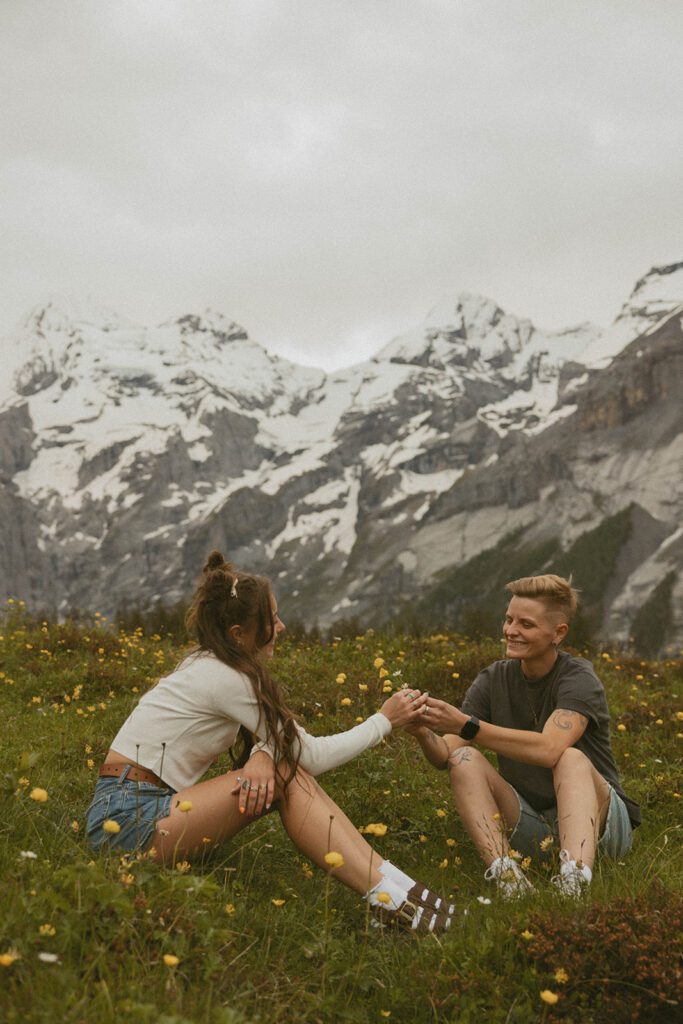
[[548, 757]]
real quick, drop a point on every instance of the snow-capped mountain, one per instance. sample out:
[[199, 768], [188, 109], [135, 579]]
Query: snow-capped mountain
[[127, 451]]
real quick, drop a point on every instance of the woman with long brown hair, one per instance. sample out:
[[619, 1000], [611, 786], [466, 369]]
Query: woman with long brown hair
[[149, 795]]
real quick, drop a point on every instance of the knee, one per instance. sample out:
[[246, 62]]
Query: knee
[[464, 762], [570, 762]]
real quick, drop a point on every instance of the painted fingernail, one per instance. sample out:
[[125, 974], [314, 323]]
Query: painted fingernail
[[242, 810]]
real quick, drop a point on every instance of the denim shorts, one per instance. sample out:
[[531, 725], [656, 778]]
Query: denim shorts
[[534, 826], [134, 806]]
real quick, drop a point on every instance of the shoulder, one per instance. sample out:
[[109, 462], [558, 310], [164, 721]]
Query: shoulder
[[204, 668], [498, 671], [572, 667]]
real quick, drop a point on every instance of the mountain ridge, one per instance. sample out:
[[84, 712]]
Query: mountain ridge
[[124, 447]]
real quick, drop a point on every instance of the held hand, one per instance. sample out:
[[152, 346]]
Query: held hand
[[255, 785], [405, 708], [443, 717]]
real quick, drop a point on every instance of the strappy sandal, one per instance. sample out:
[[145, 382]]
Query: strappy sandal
[[412, 917], [427, 898]]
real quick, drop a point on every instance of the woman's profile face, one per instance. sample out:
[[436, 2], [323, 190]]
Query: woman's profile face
[[268, 649]]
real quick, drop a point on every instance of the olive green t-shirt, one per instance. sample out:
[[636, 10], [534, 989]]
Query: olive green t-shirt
[[501, 695]]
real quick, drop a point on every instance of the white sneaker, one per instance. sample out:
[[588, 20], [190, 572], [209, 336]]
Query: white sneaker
[[573, 880], [511, 880]]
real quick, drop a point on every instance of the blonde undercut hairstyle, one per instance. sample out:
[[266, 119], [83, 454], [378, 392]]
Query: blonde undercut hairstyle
[[557, 593]]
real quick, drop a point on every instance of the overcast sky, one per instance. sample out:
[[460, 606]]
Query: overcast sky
[[324, 171]]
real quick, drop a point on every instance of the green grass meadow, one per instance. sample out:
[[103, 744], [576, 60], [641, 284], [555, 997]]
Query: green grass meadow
[[258, 934]]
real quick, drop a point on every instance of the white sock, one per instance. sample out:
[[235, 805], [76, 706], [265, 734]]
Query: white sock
[[389, 870], [387, 887]]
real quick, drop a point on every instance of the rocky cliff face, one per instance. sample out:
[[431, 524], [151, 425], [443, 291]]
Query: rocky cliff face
[[127, 452]]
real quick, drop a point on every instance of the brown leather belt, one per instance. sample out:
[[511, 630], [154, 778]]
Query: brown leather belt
[[135, 773]]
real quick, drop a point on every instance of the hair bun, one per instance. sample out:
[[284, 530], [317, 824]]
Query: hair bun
[[216, 561]]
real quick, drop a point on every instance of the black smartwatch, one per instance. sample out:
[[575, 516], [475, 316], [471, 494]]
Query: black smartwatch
[[470, 728]]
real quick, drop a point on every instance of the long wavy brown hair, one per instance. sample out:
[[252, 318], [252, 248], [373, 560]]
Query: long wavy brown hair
[[226, 597]]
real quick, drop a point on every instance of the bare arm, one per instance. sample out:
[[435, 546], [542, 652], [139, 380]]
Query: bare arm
[[563, 729], [437, 749]]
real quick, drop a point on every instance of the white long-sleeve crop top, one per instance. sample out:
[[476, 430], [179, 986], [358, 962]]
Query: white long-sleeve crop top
[[193, 715]]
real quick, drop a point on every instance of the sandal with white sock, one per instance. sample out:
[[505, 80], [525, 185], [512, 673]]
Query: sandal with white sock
[[412, 917], [427, 898]]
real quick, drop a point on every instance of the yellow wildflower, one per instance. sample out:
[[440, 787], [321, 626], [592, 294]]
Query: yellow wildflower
[[341, 678], [185, 806], [526, 935], [444, 863], [229, 908], [561, 976], [440, 813], [383, 897], [307, 870], [75, 827], [547, 842], [47, 929], [375, 828], [111, 826], [451, 842], [38, 794], [8, 958], [621, 727], [183, 866], [334, 859], [345, 702], [378, 662], [278, 903], [170, 960], [423, 838], [549, 997], [362, 687]]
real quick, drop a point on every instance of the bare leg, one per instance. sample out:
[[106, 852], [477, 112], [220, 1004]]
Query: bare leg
[[487, 805], [307, 812], [215, 815], [310, 816], [582, 805]]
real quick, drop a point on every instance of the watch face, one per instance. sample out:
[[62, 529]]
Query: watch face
[[470, 729]]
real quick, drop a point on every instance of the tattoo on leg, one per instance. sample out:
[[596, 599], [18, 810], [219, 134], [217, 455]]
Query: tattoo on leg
[[464, 754]]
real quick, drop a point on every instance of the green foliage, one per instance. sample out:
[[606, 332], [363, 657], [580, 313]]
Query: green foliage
[[66, 688], [653, 621], [591, 562], [471, 598]]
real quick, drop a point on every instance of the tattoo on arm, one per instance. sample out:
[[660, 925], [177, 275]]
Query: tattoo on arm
[[566, 719]]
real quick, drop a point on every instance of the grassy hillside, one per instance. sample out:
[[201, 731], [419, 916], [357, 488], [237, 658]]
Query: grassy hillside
[[259, 935]]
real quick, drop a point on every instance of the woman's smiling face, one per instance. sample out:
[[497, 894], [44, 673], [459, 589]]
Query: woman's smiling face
[[530, 630]]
